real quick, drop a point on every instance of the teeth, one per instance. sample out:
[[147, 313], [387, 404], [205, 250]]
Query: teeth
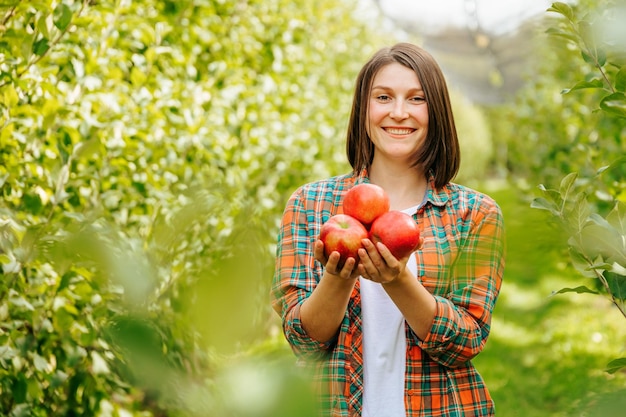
[[399, 131]]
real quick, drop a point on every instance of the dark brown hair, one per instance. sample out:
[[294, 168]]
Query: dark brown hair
[[440, 153]]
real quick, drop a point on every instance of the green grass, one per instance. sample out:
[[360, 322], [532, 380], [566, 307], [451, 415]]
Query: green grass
[[546, 355]]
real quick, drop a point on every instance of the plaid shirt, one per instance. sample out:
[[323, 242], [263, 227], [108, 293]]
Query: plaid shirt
[[461, 263]]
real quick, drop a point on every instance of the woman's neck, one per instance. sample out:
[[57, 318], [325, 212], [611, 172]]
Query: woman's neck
[[405, 186]]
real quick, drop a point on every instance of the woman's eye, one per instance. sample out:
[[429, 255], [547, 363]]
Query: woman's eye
[[382, 97], [418, 99]]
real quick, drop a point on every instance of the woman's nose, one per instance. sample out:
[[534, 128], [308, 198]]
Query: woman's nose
[[398, 111]]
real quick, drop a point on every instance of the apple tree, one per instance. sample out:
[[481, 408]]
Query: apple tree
[[569, 130]]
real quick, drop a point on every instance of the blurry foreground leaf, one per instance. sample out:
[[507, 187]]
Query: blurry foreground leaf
[[615, 365], [254, 388]]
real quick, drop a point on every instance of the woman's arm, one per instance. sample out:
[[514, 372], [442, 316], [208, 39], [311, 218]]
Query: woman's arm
[[451, 329], [323, 311], [308, 292]]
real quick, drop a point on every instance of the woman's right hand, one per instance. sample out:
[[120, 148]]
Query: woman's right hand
[[349, 269]]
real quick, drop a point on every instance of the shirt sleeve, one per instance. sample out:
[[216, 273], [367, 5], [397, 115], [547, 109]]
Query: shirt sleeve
[[463, 317], [296, 275]]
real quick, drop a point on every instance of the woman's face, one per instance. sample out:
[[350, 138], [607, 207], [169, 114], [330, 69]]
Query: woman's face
[[397, 121]]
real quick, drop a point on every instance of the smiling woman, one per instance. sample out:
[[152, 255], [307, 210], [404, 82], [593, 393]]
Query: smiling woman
[[387, 334]]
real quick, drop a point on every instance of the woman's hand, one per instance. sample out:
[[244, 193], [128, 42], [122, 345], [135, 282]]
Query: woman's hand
[[331, 263], [378, 264]]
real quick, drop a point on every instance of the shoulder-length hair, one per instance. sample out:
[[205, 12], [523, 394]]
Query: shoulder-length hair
[[440, 153]]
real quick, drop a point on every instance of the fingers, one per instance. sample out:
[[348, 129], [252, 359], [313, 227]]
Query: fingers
[[333, 264], [318, 252], [347, 270], [378, 264]]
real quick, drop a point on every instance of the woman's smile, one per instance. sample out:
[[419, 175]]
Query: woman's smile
[[398, 131]]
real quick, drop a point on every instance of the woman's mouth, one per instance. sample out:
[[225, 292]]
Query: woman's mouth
[[398, 130]]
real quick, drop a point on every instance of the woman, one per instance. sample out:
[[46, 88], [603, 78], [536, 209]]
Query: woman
[[395, 337]]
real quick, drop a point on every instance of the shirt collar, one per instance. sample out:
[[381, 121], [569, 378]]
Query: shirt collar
[[437, 197]]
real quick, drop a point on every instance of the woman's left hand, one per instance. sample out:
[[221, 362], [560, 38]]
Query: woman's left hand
[[378, 264]]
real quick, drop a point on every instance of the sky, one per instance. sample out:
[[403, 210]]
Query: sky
[[492, 16]]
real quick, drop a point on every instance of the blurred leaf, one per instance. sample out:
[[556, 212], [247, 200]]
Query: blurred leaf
[[41, 46], [599, 238], [615, 365], [620, 80], [543, 204], [614, 104], [10, 97], [563, 9], [617, 218], [617, 284], [256, 388], [62, 16], [566, 184], [579, 214], [21, 302], [578, 290], [584, 84], [41, 364], [562, 34]]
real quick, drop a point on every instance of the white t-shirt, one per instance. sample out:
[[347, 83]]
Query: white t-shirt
[[384, 349]]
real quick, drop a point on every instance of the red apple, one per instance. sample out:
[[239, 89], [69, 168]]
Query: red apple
[[343, 233], [365, 202], [396, 230]]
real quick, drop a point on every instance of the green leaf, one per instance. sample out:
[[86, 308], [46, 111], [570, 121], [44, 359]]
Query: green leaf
[[20, 388], [19, 301], [41, 364], [620, 80], [9, 96], [543, 204], [614, 104], [617, 283], [566, 184], [34, 389], [43, 25], [563, 9], [580, 212], [617, 218], [578, 290], [601, 238], [62, 16], [41, 46], [562, 34], [85, 148], [588, 56], [601, 56], [579, 262], [615, 365], [595, 83], [552, 195]]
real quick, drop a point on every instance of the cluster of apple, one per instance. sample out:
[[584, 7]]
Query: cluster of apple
[[366, 214]]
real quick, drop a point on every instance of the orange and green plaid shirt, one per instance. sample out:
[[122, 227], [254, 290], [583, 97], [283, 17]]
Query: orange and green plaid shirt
[[461, 263]]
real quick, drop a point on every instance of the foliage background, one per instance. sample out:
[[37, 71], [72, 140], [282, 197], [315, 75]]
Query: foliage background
[[147, 149]]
